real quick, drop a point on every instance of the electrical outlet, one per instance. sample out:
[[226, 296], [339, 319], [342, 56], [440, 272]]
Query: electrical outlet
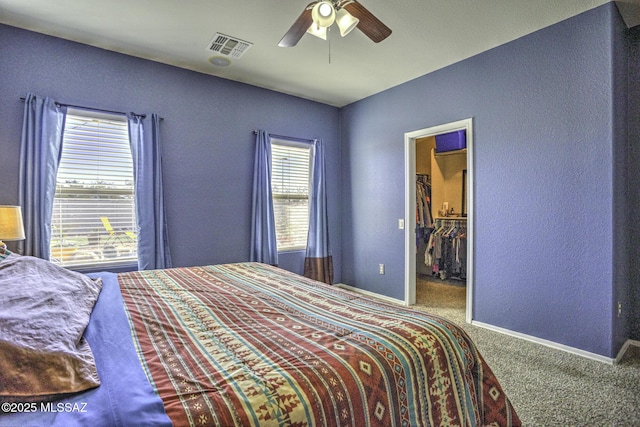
[[381, 268], [619, 309], [401, 224]]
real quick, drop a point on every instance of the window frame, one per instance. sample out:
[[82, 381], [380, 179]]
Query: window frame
[[128, 191], [294, 143]]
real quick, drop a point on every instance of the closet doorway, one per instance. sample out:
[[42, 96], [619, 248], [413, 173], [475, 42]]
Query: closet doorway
[[417, 143]]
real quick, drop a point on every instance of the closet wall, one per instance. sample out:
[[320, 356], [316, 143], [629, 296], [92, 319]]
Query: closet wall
[[446, 181]]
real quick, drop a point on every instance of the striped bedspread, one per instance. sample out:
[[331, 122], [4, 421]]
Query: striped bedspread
[[249, 344]]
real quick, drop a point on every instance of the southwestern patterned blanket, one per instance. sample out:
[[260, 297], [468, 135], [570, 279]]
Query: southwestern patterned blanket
[[250, 344]]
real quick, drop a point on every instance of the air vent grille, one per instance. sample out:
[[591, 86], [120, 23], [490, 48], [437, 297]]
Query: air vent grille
[[229, 46]]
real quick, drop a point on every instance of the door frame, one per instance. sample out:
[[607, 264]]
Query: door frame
[[410, 207]]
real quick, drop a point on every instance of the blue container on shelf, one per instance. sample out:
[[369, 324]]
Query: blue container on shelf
[[451, 141]]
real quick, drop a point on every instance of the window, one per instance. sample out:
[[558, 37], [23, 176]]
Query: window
[[93, 222], [290, 189]]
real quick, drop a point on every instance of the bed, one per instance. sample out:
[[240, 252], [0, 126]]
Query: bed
[[235, 344]]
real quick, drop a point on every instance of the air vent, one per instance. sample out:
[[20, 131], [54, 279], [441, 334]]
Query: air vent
[[229, 46]]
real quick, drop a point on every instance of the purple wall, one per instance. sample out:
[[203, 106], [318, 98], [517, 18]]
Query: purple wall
[[544, 166], [207, 135]]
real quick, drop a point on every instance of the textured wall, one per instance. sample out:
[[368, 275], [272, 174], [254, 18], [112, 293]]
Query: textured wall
[[207, 134], [542, 108]]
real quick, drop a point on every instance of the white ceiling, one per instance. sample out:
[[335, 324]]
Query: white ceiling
[[427, 35]]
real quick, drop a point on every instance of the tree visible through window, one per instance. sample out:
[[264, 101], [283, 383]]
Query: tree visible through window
[[290, 189], [94, 222]]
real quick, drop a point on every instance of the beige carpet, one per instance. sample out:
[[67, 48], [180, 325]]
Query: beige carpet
[[547, 387], [434, 293], [441, 299]]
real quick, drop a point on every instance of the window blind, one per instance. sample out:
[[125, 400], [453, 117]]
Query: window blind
[[94, 220], [290, 190]]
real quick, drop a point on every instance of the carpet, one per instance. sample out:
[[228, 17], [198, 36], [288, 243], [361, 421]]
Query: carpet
[[548, 387]]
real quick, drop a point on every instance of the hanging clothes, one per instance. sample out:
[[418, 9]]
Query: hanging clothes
[[424, 220], [446, 251]]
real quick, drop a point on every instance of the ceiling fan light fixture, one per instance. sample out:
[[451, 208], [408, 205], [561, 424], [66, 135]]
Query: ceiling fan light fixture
[[323, 14], [346, 22], [320, 32]]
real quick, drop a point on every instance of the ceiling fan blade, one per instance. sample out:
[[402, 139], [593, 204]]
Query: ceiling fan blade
[[299, 27], [371, 26]]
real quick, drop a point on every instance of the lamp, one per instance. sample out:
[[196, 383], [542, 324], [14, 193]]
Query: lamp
[[323, 14], [11, 227], [346, 22]]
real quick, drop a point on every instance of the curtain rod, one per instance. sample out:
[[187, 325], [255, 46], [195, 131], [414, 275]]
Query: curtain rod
[[255, 132], [144, 116]]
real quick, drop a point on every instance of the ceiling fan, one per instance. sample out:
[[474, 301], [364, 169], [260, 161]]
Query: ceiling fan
[[318, 16]]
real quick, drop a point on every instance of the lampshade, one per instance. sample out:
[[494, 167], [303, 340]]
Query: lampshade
[[323, 14], [346, 22], [11, 227], [320, 32]]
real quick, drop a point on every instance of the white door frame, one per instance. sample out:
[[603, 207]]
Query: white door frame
[[410, 207]]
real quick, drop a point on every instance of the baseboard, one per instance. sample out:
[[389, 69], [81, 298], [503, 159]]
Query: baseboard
[[624, 349], [547, 343], [370, 294]]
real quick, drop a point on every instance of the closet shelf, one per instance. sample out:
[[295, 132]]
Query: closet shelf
[[449, 153], [455, 218]]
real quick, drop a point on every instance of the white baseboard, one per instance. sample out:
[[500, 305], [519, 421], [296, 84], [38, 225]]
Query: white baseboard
[[370, 294], [547, 343], [536, 340]]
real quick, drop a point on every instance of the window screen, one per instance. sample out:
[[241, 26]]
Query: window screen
[[94, 221], [290, 189]]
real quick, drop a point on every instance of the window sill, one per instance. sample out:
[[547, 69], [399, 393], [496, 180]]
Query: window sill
[[112, 268]]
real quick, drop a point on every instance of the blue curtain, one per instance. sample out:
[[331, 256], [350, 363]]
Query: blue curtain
[[40, 150], [153, 245], [264, 246], [318, 262]]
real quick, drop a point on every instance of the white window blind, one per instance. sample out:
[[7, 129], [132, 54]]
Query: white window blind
[[290, 189], [94, 220]]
